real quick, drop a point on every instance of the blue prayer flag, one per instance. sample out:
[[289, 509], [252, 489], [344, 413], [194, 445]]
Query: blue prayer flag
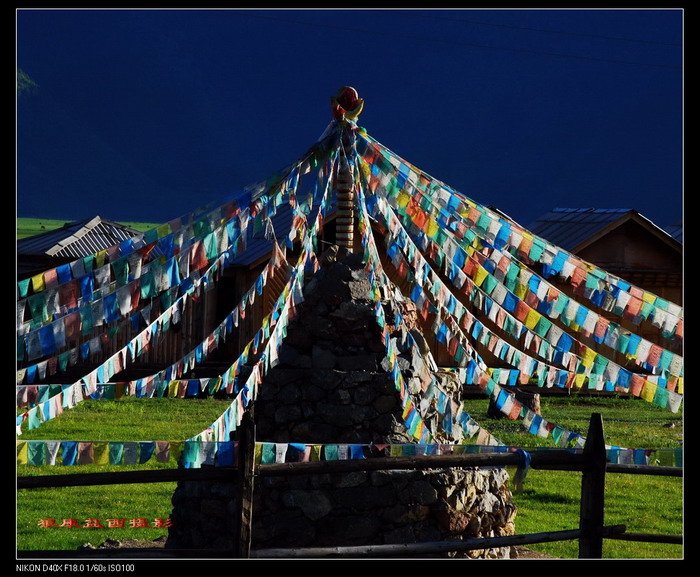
[[69, 450]]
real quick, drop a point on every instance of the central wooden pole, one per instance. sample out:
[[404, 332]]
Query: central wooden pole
[[345, 220], [346, 106]]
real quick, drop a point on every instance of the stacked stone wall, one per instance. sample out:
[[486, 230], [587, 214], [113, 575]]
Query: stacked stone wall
[[331, 387], [353, 509]]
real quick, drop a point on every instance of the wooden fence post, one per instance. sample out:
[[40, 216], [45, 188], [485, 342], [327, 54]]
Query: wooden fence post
[[593, 491], [246, 464]]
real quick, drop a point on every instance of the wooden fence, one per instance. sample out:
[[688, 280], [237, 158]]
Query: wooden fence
[[591, 532]]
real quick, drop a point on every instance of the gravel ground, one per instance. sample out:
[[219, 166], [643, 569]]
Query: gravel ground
[[518, 553], [525, 553]]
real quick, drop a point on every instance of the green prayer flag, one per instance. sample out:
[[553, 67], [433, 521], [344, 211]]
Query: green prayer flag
[[35, 454], [116, 453], [331, 452], [268, 453], [190, 452]]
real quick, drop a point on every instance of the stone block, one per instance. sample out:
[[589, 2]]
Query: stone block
[[322, 358]]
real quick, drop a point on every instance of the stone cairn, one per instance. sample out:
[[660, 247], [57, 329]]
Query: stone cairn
[[331, 387]]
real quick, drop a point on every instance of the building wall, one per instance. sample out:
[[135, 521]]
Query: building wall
[[638, 256]]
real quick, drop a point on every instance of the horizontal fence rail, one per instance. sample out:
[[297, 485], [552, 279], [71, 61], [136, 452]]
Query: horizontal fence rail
[[401, 549], [125, 477], [542, 460]]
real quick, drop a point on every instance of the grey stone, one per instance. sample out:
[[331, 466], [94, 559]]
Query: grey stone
[[326, 379], [340, 396], [357, 363], [288, 394], [362, 396], [360, 289], [310, 287], [303, 362], [488, 502], [286, 529], [353, 530], [314, 504], [287, 354], [385, 365], [360, 499], [351, 479], [287, 414], [322, 358], [337, 415], [312, 393], [422, 492], [353, 377], [385, 404], [414, 386], [307, 432], [400, 535]]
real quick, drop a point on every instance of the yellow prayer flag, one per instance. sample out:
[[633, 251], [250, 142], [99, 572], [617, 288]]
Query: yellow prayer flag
[[395, 450], [100, 453], [402, 199], [648, 391], [176, 450], [163, 230], [649, 298], [521, 291], [532, 318], [579, 380], [418, 431], [481, 274], [588, 357], [258, 453], [38, 283], [432, 227], [22, 452], [100, 258]]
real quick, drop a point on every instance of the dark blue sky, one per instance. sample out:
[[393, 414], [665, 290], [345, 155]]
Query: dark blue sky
[[146, 115]]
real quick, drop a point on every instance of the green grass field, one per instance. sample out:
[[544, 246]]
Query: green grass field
[[549, 500], [128, 419]]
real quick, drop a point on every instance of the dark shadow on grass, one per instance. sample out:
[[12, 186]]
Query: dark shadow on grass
[[553, 498]]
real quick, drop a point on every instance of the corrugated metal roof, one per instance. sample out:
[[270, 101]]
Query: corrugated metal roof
[[258, 247], [569, 227], [76, 239]]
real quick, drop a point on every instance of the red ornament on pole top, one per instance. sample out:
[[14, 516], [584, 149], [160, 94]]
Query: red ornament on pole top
[[346, 104]]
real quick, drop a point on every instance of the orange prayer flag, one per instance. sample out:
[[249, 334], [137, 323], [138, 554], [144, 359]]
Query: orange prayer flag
[[578, 276]]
